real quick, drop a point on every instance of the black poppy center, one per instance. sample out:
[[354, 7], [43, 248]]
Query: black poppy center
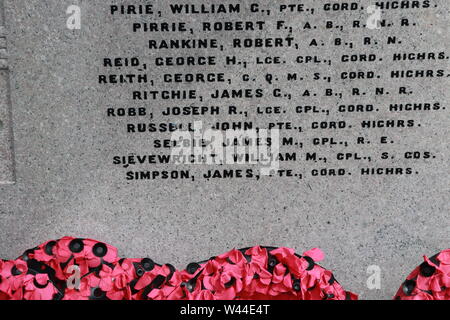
[[408, 287], [147, 264], [426, 270], [76, 245], [100, 250], [49, 247], [192, 268]]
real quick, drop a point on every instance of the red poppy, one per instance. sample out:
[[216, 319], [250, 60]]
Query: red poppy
[[38, 287], [429, 281], [253, 273]]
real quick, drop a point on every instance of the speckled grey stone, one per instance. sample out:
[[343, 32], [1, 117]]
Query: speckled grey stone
[[6, 140], [67, 185]]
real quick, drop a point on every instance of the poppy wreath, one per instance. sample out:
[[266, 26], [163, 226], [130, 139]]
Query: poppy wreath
[[429, 281], [51, 270]]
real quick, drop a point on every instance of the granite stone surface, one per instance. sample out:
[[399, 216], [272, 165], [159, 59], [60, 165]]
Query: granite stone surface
[[6, 136], [66, 183]]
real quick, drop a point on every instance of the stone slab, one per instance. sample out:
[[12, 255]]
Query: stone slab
[[67, 183], [7, 175]]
